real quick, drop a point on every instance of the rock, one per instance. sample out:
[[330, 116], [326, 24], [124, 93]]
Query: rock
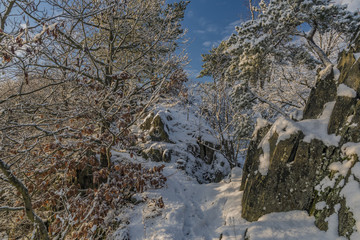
[[253, 154], [323, 92], [157, 130], [342, 110], [346, 220], [350, 131], [207, 151], [350, 77], [155, 154], [218, 176], [347, 60], [166, 155], [146, 125], [290, 179]]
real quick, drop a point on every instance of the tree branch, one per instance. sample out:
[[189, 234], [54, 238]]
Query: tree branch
[[310, 39], [271, 105], [6, 208], [26, 198]]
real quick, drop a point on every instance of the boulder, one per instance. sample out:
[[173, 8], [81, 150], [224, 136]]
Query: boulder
[[157, 130]]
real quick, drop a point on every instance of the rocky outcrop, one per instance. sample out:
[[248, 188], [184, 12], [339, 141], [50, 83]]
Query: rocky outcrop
[[323, 92], [174, 134], [312, 164]]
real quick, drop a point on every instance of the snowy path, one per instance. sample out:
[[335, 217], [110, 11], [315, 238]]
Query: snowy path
[[212, 211]]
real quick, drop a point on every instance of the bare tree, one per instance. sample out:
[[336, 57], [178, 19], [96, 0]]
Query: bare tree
[[77, 75]]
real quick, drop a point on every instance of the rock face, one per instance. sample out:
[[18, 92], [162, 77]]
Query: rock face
[[312, 164], [323, 92]]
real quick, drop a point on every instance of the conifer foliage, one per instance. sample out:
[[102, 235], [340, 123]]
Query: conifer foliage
[[283, 31]]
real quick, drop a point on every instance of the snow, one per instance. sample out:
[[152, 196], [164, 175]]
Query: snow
[[210, 211], [357, 56], [341, 167], [356, 170], [352, 5], [336, 74], [326, 183], [265, 158], [345, 91], [351, 148], [260, 123], [320, 205], [317, 128], [289, 225]]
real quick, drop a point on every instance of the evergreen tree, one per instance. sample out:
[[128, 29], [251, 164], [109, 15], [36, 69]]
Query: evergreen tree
[[283, 32]]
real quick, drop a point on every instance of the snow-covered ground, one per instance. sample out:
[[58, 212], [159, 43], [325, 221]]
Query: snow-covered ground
[[185, 209], [209, 211]]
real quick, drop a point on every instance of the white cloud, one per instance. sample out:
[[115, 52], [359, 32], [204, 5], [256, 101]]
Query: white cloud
[[202, 21], [190, 14], [207, 44], [211, 28], [200, 31]]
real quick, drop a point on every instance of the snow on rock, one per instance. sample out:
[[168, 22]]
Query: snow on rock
[[312, 129], [260, 123], [336, 74], [351, 148], [284, 128], [345, 91], [348, 172], [341, 167], [320, 205], [357, 56], [265, 158], [288, 225], [317, 128], [326, 183]]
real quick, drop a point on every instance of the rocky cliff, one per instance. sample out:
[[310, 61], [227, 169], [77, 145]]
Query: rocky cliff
[[312, 164]]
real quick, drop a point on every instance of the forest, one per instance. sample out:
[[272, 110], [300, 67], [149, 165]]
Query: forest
[[104, 135]]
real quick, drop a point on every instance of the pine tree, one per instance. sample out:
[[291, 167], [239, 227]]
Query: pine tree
[[283, 32]]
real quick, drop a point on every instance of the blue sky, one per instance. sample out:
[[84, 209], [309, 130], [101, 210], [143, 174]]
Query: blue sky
[[208, 22]]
